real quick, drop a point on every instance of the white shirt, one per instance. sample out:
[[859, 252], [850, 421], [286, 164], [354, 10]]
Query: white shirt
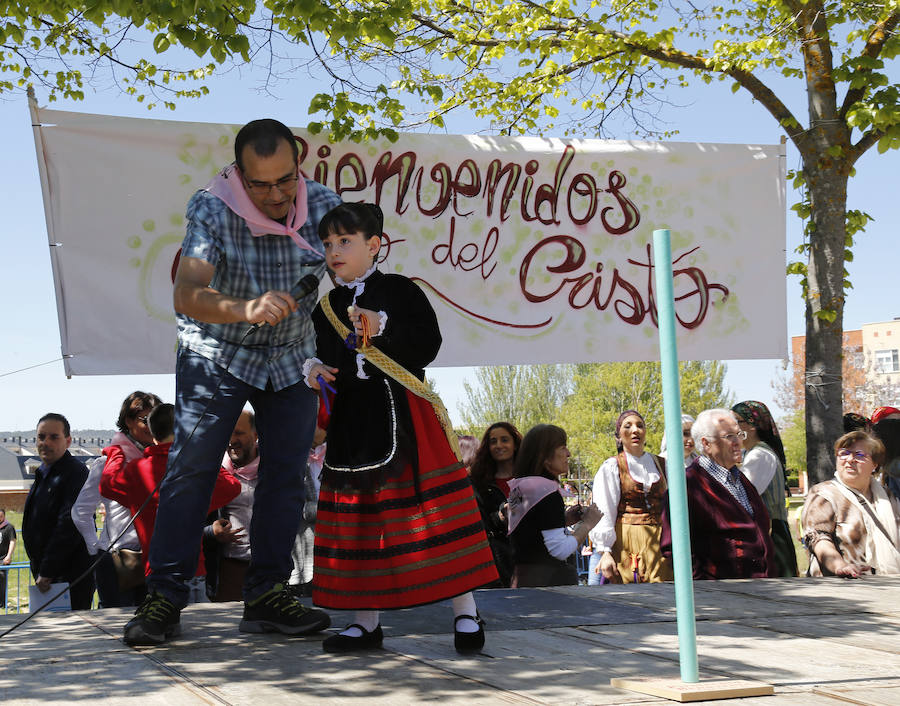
[[759, 467], [117, 516], [608, 492], [559, 542], [240, 514]]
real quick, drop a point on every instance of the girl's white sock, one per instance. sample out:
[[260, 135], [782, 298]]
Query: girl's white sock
[[465, 605], [367, 618]]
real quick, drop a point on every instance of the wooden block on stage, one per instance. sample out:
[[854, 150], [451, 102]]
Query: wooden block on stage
[[704, 690]]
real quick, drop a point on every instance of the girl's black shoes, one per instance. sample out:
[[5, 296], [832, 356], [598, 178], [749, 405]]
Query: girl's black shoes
[[345, 643], [466, 642]]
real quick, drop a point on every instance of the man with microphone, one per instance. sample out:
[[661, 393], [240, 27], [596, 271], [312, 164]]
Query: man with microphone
[[251, 256]]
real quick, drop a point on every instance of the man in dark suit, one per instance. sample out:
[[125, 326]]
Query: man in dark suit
[[55, 548]]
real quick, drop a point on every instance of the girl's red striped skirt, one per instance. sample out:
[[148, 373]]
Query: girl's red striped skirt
[[386, 548]]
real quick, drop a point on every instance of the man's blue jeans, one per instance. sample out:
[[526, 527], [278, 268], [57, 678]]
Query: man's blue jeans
[[285, 421]]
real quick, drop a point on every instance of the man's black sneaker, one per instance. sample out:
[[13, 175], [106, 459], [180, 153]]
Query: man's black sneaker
[[278, 610], [155, 621]]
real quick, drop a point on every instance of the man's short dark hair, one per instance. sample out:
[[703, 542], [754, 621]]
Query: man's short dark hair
[[161, 421], [56, 417], [251, 417], [147, 400], [263, 136]]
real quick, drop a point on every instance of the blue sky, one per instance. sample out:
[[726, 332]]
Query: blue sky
[[710, 114]]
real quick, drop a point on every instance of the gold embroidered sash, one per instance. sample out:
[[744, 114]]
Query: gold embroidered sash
[[394, 370]]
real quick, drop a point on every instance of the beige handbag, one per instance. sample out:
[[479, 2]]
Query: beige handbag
[[129, 568]]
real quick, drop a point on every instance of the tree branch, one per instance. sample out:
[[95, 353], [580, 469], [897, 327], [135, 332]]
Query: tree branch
[[874, 44]]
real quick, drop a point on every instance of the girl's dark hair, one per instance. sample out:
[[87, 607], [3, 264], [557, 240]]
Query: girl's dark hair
[[366, 218], [263, 136], [537, 447], [484, 468]]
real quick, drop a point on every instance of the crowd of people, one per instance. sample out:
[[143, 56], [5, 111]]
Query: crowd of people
[[736, 480], [347, 483]]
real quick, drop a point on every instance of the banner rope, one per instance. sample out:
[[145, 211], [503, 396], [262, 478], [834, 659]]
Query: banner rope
[[37, 365]]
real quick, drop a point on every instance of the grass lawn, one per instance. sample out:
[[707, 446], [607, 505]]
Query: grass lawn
[[18, 580], [794, 508]]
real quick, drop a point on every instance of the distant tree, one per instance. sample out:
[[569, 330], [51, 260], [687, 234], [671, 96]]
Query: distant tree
[[819, 69], [601, 391], [877, 387], [703, 386], [864, 385], [822, 71], [793, 436], [522, 394]]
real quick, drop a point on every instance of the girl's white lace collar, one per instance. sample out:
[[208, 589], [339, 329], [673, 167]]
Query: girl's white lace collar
[[358, 280]]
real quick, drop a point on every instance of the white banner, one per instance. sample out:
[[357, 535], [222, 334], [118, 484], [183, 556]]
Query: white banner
[[531, 250]]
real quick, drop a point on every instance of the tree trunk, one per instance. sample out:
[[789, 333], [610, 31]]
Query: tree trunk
[[827, 182]]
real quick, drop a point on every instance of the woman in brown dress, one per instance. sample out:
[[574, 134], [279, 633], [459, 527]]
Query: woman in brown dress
[[630, 489]]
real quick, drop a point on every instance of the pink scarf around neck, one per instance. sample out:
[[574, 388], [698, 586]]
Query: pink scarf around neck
[[129, 449], [229, 188], [247, 473], [525, 493]]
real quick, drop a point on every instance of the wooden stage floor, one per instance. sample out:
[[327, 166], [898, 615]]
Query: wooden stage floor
[[822, 641]]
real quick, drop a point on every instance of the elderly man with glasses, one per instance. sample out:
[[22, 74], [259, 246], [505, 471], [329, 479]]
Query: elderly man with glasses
[[252, 235], [729, 522]]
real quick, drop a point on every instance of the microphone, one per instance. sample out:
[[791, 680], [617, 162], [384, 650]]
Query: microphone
[[305, 285]]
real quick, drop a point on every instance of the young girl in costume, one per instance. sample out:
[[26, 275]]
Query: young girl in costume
[[397, 522]]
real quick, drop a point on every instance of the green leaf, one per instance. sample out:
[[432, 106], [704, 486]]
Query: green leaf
[[161, 43]]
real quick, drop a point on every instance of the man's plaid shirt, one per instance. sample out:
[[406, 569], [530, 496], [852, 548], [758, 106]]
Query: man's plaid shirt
[[247, 267], [730, 478]]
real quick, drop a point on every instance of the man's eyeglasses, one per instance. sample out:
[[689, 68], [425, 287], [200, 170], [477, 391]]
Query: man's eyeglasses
[[847, 455], [141, 418], [262, 188], [734, 438]]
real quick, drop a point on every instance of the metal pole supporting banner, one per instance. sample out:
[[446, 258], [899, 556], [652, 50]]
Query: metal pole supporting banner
[[678, 516]]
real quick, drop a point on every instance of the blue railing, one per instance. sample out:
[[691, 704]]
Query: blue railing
[[16, 589]]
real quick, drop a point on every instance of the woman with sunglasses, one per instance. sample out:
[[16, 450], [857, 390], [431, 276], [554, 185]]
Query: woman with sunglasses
[[850, 523]]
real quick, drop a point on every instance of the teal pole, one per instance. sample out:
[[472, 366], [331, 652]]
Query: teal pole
[[678, 516]]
